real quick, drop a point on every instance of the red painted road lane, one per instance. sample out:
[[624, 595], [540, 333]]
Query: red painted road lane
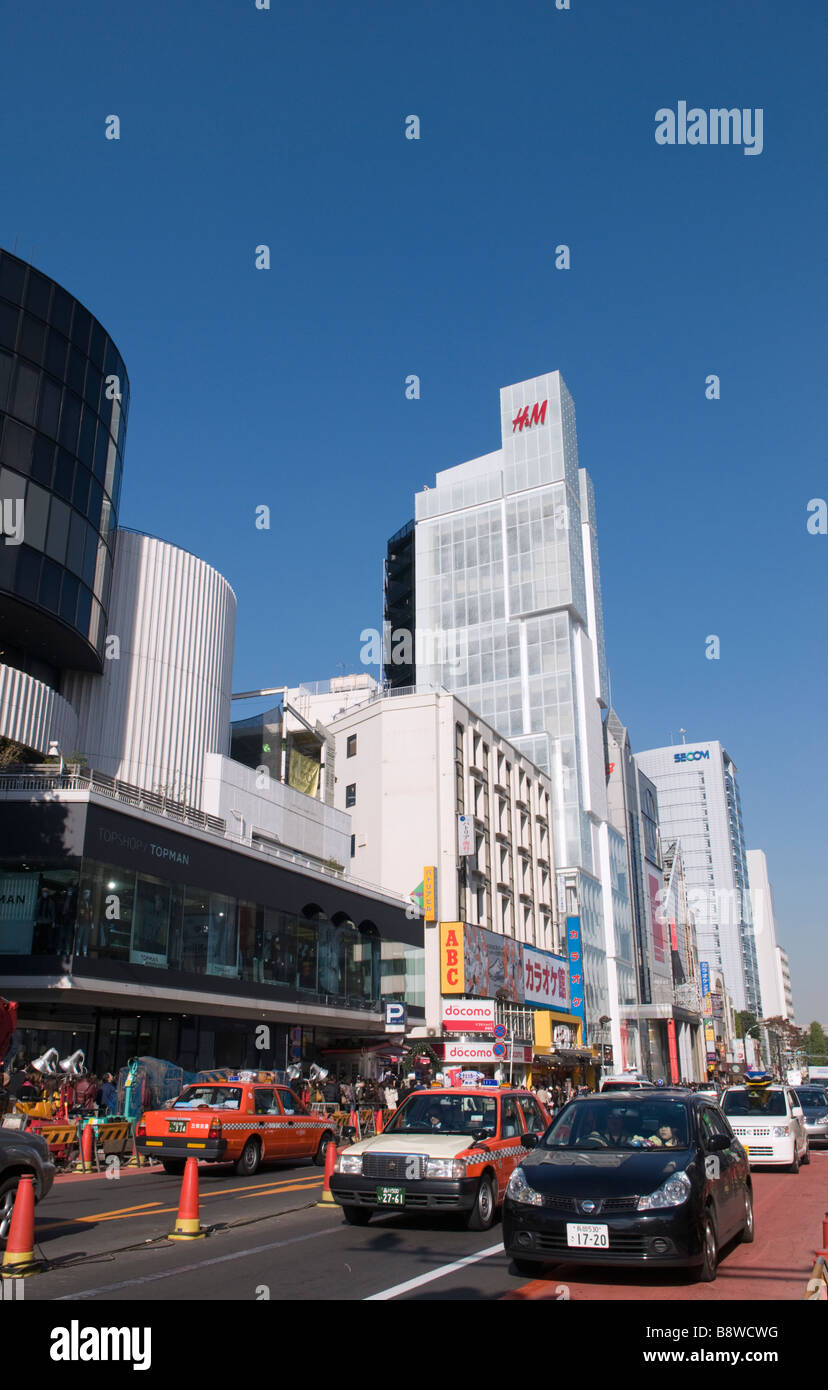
[[789, 1209]]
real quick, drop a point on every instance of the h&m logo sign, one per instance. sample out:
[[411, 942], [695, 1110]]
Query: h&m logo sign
[[523, 419]]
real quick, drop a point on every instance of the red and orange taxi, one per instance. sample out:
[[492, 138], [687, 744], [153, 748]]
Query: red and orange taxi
[[444, 1150], [237, 1121]]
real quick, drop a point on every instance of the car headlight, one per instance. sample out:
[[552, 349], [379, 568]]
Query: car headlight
[[348, 1163], [520, 1191], [445, 1168], [781, 1131], [671, 1193]]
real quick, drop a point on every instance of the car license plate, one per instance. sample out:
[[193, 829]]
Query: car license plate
[[593, 1237], [391, 1196], [178, 1126]]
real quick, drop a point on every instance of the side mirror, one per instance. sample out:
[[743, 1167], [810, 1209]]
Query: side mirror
[[529, 1141], [350, 1134], [717, 1143], [798, 1113]]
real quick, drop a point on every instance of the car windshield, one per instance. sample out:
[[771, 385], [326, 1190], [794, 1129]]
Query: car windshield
[[760, 1103], [812, 1097], [433, 1113], [217, 1097], [635, 1124]]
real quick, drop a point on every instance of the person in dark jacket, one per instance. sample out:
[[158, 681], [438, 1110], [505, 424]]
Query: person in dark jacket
[[107, 1095]]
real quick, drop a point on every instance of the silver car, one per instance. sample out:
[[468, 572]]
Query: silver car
[[814, 1102]]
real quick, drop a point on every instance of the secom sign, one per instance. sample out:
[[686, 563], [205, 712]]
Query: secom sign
[[691, 757]]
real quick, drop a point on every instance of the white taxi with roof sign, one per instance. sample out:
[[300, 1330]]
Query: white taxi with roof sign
[[769, 1123], [445, 1150]]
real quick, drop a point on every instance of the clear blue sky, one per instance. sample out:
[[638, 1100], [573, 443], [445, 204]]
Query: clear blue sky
[[390, 257]]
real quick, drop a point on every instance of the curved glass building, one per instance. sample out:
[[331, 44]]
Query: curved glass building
[[64, 399]]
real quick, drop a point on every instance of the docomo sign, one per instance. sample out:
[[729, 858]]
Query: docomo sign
[[484, 1052], [468, 1016]]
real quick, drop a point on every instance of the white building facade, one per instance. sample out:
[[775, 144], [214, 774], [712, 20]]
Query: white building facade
[[509, 617], [776, 998], [699, 805]]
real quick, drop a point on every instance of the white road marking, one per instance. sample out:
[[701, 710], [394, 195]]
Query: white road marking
[[434, 1274], [187, 1269]]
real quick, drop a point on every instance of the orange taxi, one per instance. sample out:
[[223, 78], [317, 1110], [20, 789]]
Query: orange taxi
[[242, 1122], [449, 1149]]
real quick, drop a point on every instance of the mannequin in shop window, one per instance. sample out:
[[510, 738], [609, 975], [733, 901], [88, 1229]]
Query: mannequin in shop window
[[84, 922], [44, 924], [66, 929]]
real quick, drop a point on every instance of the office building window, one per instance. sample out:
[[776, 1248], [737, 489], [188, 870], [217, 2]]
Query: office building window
[[353, 845], [350, 794], [350, 746]]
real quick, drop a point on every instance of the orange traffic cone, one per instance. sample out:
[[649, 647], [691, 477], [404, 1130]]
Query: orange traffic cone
[[327, 1198], [353, 1121], [378, 1122], [86, 1150], [19, 1258], [187, 1225]]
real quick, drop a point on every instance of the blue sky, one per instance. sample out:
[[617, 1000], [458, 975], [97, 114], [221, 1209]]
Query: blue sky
[[436, 257]]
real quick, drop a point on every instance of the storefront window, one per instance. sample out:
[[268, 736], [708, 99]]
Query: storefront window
[[306, 954], [151, 924], [38, 909], [195, 927], [222, 937], [105, 908]]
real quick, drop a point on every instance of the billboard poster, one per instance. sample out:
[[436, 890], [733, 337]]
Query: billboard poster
[[545, 980], [658, 920], [492, 963]]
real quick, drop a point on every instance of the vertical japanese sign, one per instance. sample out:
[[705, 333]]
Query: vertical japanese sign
[[704, 971], [576, 969], [429, 894]]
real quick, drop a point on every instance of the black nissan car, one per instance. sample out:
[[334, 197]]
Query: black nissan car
[[653, 1178]]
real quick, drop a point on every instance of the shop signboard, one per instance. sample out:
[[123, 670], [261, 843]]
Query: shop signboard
[[468, 1016], [465, 835], [576, 970], [704, 971], [463, 1053], [545, 980], [429, 894]]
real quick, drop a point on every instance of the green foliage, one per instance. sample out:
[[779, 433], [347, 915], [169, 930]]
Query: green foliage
[[816, 1044]]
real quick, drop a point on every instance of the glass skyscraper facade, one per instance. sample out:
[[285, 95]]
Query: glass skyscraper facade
[[509, 615]]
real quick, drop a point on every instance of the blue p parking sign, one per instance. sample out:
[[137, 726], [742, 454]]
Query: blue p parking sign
[[396, 1017]]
